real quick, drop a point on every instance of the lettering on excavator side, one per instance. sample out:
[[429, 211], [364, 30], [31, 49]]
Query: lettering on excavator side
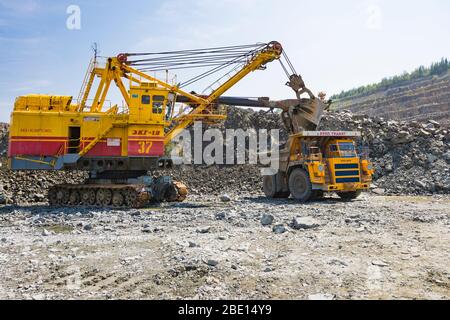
[[35, 130], [144, 132], [144, 147], [113, 142], [91, 119]]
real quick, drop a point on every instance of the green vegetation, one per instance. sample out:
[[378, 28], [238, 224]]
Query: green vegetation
[[436, 68]]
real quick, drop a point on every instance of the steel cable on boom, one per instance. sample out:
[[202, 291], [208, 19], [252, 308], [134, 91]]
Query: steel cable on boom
[[219, 58], [196, 50], [289, 63], [189, 56], [186, 67], [185, 59], [206, 62], [195, 54], [214, 70], [201, 60], [195, 61]]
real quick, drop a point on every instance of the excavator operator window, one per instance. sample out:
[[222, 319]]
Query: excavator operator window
[[145, 99], [158, 102]]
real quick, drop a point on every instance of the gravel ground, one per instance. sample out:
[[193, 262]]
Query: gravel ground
[[376, 247]]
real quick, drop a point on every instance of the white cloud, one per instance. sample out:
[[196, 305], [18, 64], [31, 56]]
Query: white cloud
[[374, 19]]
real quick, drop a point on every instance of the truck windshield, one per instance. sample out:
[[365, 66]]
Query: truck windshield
[[347, 149]]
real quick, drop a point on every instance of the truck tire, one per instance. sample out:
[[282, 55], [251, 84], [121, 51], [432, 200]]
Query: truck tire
[[349, 195], [271, 189], [300, 185]]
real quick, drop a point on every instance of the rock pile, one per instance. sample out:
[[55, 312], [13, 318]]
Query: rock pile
[[219, 180], [239, 118], [409, 157], [4, 130], [31, 186]]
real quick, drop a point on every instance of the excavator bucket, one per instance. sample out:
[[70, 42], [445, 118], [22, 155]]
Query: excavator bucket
[[307, 115], [300, 115]]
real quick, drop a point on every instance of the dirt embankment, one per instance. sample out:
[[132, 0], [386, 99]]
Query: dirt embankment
[[421, 100]]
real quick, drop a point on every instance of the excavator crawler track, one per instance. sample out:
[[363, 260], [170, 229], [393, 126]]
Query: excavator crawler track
[[111, 196]]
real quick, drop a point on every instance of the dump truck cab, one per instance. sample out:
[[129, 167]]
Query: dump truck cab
[[317, 162]]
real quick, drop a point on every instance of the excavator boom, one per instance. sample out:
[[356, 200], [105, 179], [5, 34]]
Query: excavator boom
[[297, 114]]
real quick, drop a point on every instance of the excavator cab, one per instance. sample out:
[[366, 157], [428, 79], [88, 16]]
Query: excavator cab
[[148, 103]]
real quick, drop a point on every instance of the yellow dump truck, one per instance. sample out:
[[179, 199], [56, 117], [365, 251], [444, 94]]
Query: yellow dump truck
[[313, 163]]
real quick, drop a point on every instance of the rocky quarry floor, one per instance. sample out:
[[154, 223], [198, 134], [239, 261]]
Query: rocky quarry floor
[[393, 242], [377, 247]]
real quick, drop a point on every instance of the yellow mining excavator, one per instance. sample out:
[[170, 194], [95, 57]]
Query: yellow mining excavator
[[118, 145]]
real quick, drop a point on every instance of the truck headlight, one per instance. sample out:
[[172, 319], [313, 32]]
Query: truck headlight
[[370, 167], [321, 168]]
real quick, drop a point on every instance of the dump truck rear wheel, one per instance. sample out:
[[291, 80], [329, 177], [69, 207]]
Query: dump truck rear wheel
[[270, 188], [300, 185], [349, 195]]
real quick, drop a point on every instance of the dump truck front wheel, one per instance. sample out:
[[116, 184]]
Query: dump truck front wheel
[[349, 195], [300, 185]]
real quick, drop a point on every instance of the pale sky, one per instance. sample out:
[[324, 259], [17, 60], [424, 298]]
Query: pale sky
[[335, 45]]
